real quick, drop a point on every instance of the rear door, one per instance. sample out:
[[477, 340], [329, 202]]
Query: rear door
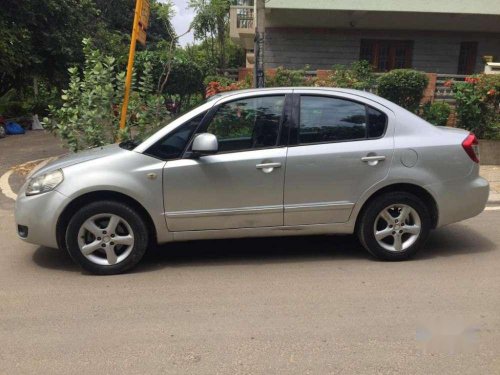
[[339, 147]]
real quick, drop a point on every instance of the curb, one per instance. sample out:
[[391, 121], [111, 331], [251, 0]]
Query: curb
[[494, 198], [4, 179], [5, 186]]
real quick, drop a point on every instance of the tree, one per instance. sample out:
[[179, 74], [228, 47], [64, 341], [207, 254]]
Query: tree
[[42, 38], [211, 24]]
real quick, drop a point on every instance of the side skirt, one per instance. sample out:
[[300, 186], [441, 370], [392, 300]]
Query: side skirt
[[296, 230]]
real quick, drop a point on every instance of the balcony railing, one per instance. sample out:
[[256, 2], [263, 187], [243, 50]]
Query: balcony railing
[[244, 18], [242, 24], [243, 3]]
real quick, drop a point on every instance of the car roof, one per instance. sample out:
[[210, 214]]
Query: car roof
[[360, 93]]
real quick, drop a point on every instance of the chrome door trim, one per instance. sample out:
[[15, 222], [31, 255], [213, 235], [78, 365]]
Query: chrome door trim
[[225, 212], [301, 207]]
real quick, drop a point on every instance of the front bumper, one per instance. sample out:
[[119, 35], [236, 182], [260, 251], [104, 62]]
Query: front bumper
[[460, 199], [39, 214]]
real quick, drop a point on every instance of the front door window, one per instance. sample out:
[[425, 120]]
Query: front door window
[[248, 124]]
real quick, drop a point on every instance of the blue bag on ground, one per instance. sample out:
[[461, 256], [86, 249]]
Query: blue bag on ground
[[13, 128]]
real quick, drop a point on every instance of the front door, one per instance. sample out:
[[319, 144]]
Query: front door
[[342, 148], [242, 185]]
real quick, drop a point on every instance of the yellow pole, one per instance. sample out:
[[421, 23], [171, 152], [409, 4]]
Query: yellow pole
[[130, 65]]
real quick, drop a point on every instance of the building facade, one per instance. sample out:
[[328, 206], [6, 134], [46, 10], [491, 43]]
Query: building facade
[[446, 36]]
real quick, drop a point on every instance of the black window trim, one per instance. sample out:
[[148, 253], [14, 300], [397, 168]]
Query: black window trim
[[287, 133], [188, 143], [294, 140], [279, 141]]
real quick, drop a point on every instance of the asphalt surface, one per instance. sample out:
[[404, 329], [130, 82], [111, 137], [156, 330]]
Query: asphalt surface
[[303, 305]]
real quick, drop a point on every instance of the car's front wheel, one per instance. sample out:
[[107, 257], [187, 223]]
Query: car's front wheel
[[394, 226], [106, 237]]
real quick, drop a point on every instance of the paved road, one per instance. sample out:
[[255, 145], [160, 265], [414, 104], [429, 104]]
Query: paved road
[[315, 305]]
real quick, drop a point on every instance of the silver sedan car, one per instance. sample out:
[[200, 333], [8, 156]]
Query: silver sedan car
[[259, 163]]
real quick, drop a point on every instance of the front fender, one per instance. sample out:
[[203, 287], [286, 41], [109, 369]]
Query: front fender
[[133, 174]]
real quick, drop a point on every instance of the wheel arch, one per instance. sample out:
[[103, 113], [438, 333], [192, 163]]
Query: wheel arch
[[82, 200], [416, 190]]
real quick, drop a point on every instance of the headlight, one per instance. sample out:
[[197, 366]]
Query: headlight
[[45, 182]]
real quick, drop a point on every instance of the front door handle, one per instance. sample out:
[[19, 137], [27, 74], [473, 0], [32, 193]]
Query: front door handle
[[373, 160], [268, 167]]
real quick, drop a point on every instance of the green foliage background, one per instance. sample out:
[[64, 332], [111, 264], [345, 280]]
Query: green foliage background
[[45, 70], [41, 39]]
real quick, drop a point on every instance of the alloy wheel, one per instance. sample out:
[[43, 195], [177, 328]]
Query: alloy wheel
[[397, 227], [106, 239]]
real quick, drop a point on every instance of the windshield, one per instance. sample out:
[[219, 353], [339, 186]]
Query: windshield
[[136, 139]]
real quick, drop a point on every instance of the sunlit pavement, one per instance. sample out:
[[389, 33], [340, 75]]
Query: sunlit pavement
[[301, 305]]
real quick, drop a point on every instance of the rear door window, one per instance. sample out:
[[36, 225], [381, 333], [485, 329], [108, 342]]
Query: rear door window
[[328, 119]]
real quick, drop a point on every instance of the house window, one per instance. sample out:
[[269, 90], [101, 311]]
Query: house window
[[386, 55], [467, 58]]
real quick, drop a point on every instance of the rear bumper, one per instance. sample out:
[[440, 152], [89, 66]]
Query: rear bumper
[[38, 215], [458, 200]]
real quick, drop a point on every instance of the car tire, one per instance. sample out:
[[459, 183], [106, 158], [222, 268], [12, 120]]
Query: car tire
[[3, 133], [394, 226], [106, 237]]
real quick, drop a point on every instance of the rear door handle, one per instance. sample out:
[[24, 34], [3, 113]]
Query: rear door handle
[[373, 158], [268, 167]]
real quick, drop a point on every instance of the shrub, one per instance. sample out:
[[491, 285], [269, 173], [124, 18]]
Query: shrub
[[215, 87], [90, 113], [404, 87], [222, 80], [185, 80], [359, 75], [217, 84], [436, 113], [47, 95], [478, 105], [289, 78]]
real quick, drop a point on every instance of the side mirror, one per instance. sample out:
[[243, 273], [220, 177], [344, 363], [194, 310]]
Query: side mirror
[[205, 144]]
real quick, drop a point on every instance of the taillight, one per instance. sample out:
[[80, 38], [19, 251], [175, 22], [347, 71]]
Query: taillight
[[471, 147]]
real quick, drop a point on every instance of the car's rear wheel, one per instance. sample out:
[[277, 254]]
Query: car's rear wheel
[[394, 226], [106, 237]]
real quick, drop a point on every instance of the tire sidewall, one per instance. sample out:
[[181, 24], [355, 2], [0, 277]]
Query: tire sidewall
[[366, 232], [107, 207]]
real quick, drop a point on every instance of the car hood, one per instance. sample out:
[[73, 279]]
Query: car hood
[[76, 158]]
